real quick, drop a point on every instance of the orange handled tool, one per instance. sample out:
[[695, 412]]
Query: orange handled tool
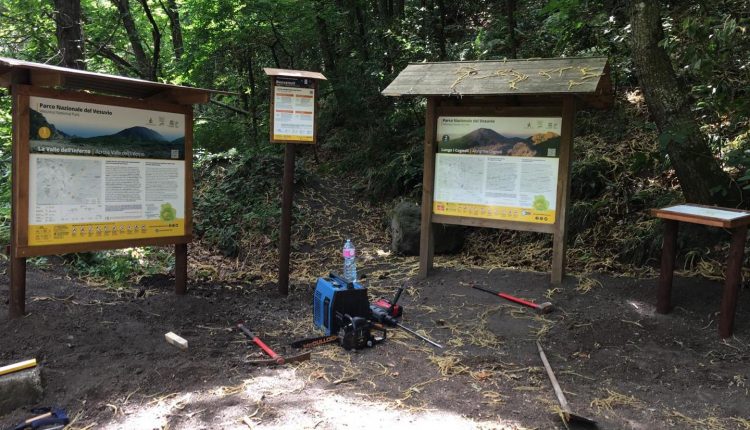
[[276, 357]]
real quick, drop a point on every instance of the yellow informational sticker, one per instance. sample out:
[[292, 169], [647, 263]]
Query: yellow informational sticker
[[62, 234], [494, 212], [292, 137], [44, 132]]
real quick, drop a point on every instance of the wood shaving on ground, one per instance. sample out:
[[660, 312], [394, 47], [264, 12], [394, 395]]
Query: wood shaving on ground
[[615, 399]]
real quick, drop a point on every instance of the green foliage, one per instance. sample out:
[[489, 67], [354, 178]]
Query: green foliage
[[237, 198], [118, 267]]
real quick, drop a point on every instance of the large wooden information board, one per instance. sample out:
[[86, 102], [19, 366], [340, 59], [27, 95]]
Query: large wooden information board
[[99, 172]]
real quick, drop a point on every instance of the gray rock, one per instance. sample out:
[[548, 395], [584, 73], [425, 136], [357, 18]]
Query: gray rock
[[18, 389], [406, 228]]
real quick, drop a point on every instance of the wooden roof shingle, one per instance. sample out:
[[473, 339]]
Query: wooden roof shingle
[[586, 77]]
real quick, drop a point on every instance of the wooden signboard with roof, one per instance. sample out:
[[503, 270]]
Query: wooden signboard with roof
[[293, 120], [99, 162], [498, 142]]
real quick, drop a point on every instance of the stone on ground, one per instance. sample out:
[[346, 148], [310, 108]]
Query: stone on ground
[[23, 388], [405, 232]]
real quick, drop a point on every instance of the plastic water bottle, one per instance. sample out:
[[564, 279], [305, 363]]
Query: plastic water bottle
[[350, 262]]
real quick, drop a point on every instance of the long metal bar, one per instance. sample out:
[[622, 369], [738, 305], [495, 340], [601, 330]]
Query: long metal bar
[[419, 335]]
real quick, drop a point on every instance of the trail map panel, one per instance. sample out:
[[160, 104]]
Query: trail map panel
[[102, 173], [501, 168], [293, 109]]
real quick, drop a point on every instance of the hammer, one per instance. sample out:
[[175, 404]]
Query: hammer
[[542, 308]]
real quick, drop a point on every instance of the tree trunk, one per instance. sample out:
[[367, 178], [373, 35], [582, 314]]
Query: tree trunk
[[329, 58], [156, 39], [253, 99], [698, 171], [69, 33], [441, 30], [510, 16], [174, 23], [142, 62]]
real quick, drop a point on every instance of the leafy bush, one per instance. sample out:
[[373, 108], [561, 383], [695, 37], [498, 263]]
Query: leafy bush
[[238, 197]]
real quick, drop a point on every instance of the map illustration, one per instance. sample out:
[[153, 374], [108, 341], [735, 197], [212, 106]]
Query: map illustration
[[63, 181]]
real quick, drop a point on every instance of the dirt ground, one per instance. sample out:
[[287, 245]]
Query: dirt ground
[[104, 358]]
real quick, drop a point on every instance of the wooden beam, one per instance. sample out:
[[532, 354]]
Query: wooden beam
[[13, 77], [426, 239], [47, 78], [560, 236]]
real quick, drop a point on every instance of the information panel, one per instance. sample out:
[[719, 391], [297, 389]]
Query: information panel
[[293, 109], [103, 173], [502, 168]]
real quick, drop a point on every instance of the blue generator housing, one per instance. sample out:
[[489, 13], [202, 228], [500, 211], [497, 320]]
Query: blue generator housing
[[334, 298]]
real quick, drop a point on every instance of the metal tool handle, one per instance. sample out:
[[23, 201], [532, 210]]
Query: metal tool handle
[[558, 391], [419, 335], [261, 344]]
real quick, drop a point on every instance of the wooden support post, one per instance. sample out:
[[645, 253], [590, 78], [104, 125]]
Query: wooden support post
[[732, 281], [180, 268], [668, 253], [286, 219], [426, 238], [17, 302], [19, 170], [560, 236]]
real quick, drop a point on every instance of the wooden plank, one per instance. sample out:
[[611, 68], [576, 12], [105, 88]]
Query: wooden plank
[[294, 73], [46, 78], [174, 339], [732, 281], [560, 236], [14, 77], [492, 223], [519, 111], [15, 367], [426, 239], [675, 213]]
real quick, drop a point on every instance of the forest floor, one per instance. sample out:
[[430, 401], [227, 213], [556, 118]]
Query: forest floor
[[104, 358]]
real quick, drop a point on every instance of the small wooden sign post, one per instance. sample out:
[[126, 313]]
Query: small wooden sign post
[[498, 142], [293, 121], [94, 172]]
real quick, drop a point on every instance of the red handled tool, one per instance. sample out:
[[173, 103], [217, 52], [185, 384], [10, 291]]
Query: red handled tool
[[275, 358], [543, 308]]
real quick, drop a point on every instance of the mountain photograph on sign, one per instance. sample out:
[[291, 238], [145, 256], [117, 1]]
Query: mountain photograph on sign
[[485, 141], [81, 138]]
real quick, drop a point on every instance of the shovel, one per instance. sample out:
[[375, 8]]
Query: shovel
[[567, 415]]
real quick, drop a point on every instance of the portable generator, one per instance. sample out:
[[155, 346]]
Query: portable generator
[[337, 301]]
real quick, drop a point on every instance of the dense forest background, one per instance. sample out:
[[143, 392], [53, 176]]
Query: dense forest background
[[679, 129]]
